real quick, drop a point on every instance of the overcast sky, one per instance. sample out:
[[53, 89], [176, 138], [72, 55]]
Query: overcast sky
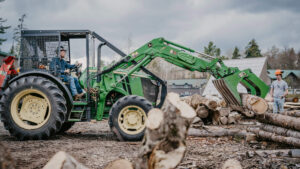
[[193, 23]]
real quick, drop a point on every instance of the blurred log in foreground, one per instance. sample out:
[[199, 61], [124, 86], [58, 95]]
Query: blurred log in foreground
[[6, 161], [164, 143]]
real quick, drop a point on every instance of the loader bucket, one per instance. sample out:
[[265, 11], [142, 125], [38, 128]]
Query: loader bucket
[[227, 86]]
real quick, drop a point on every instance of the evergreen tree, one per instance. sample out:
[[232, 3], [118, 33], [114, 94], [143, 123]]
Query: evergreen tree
[[212, 50], [3, 28], [17, 35], [236, 53], [252, 50]]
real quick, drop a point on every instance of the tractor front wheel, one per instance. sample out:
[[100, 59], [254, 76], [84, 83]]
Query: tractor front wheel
[[127, 117], [32, 108]]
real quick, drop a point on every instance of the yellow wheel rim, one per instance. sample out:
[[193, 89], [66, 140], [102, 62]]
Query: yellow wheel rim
[[132, 119], [30, 109]]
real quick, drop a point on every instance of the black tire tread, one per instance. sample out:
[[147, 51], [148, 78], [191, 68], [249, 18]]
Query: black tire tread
[[112, 115], [50, 128]]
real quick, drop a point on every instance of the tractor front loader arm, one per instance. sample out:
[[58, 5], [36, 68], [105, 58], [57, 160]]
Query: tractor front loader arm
[[227, 78]]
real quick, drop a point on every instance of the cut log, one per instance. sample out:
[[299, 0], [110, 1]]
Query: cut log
[[166, 130], [292, 103], [220, 101], [224, 111], [6, 161], [232, 164], [248, 113], [254, 103], [215, 117], [202, 111], [291, 113], [215, 131], [118, 164], [276, 138], [223, 120], [250, 137], [62, 160], [280, 120], [280, 131], [276, 153], [234, 117], [196, 100]]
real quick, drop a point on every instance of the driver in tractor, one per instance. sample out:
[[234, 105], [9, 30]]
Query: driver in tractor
[[65, 67]]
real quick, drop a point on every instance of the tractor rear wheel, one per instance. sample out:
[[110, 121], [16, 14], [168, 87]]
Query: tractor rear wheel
[[66, 126], [127, 117], [33, 108]]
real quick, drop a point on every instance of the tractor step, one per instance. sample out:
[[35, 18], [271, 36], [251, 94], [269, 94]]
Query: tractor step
[[77, 111], [80, 103]]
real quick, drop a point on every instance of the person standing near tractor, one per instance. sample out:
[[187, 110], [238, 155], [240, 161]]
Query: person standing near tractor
[[279, 89]]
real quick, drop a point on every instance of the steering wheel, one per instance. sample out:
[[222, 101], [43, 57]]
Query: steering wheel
[[77, 70]]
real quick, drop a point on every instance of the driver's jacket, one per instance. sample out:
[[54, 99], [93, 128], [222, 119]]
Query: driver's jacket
[[61, 65]]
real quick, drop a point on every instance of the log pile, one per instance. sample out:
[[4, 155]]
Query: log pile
[[212, 110], [279, 128]]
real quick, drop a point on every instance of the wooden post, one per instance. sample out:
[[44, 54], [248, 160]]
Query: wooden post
[[166, 130]]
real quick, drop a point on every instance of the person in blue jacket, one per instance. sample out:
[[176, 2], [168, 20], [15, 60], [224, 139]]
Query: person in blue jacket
[[64, 69]]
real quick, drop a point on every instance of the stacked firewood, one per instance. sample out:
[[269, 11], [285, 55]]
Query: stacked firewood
[[282, 128], [212, 110]]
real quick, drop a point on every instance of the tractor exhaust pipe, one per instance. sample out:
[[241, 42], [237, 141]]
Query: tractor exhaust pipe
[[99, 61]]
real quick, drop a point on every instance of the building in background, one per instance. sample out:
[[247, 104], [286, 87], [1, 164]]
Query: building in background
[[292, 77], [186, 87]]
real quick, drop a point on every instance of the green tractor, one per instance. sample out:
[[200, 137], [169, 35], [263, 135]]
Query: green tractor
[[37, 103]]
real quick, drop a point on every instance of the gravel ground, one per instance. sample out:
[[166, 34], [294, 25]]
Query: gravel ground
[[94, 145]]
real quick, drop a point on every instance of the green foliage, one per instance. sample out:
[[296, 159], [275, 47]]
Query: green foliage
[[283, 59], [252, 50], [224, 57], [236, 53], [212, 50], [3, 28]]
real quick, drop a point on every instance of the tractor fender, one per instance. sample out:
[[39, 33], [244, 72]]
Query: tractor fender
[[57, 81]]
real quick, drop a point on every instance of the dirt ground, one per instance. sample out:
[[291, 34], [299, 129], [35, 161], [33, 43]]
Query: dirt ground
[[94, 145]]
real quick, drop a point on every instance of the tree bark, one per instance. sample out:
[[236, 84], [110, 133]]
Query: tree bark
[[196, 100], [280, 120], [254, 103], [295, 113], [215, 131], [232, 164], [6, 161], [223, 120], [166, 130], [118, 164], [202, 112], [62, 160], [280, 131], [294, 153], [276, 138]]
